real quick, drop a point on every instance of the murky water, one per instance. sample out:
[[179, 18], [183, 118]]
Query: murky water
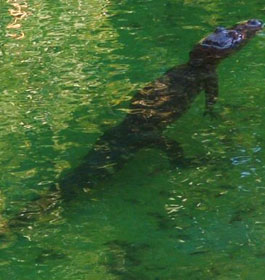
[[68, 71]]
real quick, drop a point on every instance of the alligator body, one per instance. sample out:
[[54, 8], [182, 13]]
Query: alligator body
[[160, 103]]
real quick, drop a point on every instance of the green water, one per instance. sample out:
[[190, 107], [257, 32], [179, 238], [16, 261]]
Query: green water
[[67, 81]]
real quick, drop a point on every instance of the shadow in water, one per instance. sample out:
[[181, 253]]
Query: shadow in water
[[151, 110], [157, 105]]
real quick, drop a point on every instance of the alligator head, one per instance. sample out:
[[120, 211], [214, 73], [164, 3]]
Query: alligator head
[[223, 42]]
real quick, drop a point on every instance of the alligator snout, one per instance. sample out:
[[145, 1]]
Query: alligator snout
[[225, 39], [255, 23]]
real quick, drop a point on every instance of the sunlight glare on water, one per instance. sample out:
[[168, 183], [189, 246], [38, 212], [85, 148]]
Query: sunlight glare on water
[[69, 70]]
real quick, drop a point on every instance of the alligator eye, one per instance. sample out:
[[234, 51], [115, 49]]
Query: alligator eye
[[219, 29], [206, 42], [233, 34]]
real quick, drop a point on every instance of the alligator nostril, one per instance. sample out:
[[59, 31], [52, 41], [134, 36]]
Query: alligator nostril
[[219, 29], [255, 22]]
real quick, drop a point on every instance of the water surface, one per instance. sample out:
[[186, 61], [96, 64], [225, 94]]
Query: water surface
[[68, 72]]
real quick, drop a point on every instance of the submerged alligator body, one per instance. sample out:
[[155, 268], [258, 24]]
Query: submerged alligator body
[[158, 104]]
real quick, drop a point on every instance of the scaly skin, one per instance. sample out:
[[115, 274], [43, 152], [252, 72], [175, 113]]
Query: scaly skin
[[159, 104], [151, 110]]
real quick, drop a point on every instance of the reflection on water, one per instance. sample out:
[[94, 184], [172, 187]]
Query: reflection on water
[[19, 12]]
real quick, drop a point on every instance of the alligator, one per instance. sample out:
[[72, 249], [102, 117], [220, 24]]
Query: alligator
[[158, 104], [151, 110]]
